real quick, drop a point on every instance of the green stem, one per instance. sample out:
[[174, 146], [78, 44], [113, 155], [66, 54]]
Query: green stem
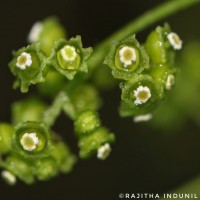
[[156, 14], [52, 113]]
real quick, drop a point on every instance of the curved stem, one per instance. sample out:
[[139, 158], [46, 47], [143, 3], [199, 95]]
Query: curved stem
[[166, 9]]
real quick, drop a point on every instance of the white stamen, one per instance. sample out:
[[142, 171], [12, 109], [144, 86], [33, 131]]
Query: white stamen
[[143, 118], [34, 33], [144, 98], [27, 61], [29, 141], [8, 177], [175, 40], [72, 53], [104, 151], [131, 55], [170, 82]]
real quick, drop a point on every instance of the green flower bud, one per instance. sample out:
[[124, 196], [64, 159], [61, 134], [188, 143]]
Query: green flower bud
[[90, 144], [158, 46], [140, 94], [6, 134], [30, 109], [83, 97], [28, 66], [63, 157], [20, 167], [32, 139], [45, 168], [127, 58], [46, 32], [69, 57], [86, 122]]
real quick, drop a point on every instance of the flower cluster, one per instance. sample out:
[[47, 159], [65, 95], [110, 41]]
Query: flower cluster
[[49, 50], [147, 71]]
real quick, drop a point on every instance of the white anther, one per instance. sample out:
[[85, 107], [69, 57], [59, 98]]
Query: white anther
[[24, 60], [127, 55], [175, 40], [170, 82], [104, 151], [142, 95], [68, 53], [8, 177], [34, 33], [29, 141], [143, 118]]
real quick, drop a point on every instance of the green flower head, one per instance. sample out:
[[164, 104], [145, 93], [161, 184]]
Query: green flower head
[[32, 139], [28, 66], [69, 57], [139, 95], [126, 58]]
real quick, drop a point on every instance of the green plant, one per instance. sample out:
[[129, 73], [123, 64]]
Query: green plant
[[62, 69]]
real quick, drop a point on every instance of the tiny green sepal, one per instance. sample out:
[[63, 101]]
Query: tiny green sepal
[[28, 66], [140, 94], [90, 144], [86, 122], [6, 134], [46, 32], [32, 139], [69, 57], [126, 58]]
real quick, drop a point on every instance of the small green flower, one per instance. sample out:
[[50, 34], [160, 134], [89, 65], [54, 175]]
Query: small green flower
[[140, 94], [126, 58], [86, 122], [32, 139], [6, 134], [28, 66], [46, 32], [69, 57], [90, 144]]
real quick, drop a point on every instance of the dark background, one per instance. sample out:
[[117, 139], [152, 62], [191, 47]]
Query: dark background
[[144, 159]]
